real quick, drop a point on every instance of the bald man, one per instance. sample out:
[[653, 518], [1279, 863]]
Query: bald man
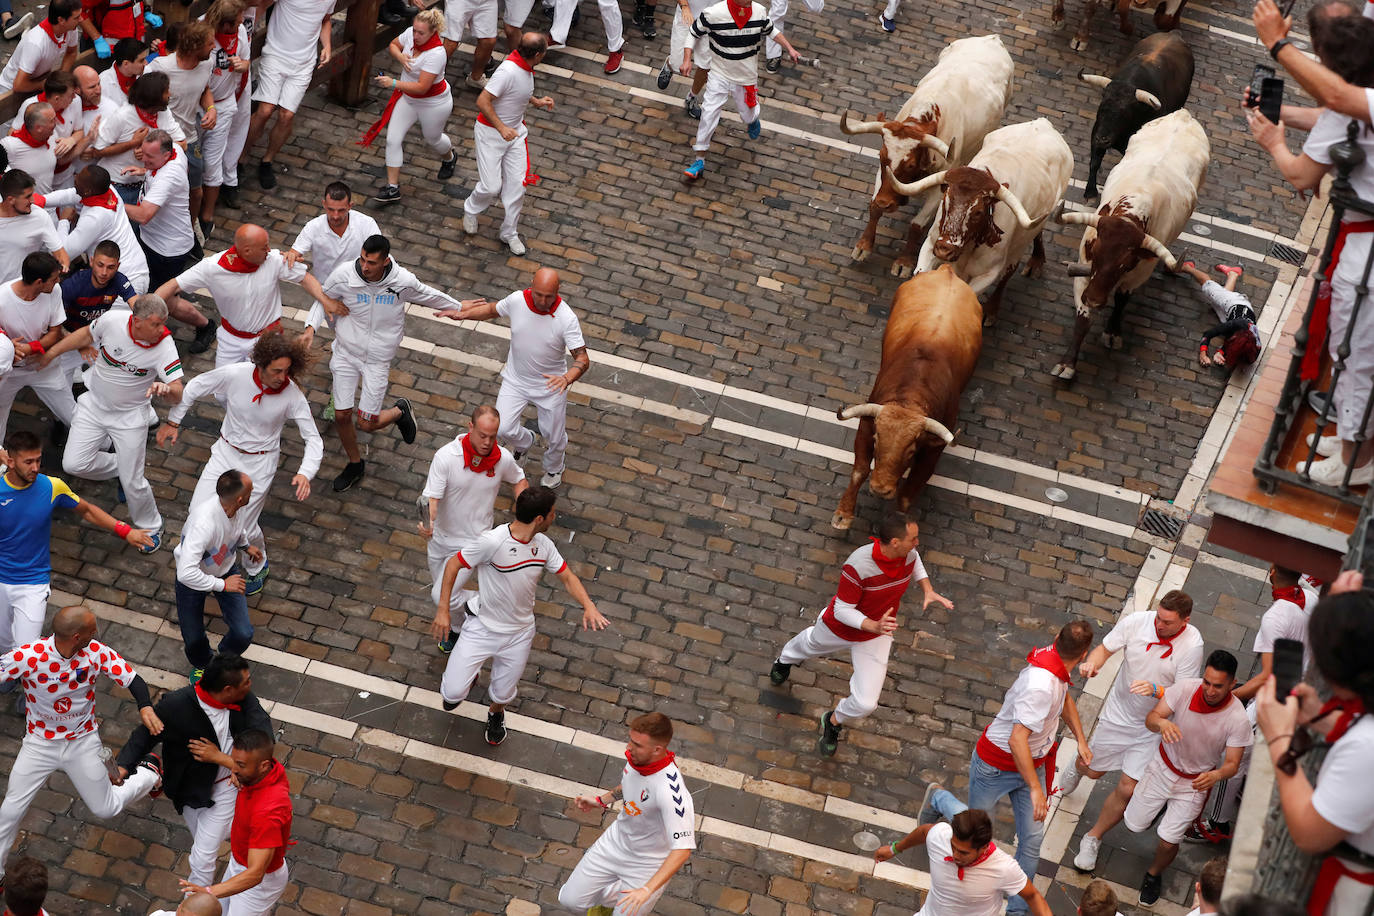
[[58, 675], [88, 88], [244, 282], [197, 904], [543, 328]]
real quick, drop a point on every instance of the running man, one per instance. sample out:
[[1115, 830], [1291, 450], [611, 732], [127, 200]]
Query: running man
[[334, 237]]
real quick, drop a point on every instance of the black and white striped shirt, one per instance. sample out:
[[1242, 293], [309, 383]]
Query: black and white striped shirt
[[735, 49]]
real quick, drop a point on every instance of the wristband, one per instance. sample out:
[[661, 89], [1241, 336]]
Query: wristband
[[36, 347], [122, 529], [1279, 738], [893, 847], [602, 803], [1155, 691], [1279, 46]]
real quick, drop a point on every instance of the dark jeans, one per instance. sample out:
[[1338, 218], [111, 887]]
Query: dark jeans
[[162, 268], [233, 606]]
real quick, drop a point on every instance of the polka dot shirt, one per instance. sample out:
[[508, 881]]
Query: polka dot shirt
[[61, 691]]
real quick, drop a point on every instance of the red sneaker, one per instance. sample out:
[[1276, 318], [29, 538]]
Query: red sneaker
[[1228, 269], [614, 61]]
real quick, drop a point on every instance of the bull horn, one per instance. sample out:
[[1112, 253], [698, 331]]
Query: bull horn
[[930, 141], [863, 127], [1092, 79], [860, 410], [1073, 217], [1075, 269], [1005, 196], [919, 186], [1149, 99], [938, 428], [1157, 248]]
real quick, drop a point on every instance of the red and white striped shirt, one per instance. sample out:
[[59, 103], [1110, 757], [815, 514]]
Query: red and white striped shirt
[[870, 586]]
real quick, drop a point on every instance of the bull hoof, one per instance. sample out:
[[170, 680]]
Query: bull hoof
[[1064, 371], [1033, 270], [1091, 197], [1078, 43], [901, 268], [841, 522], [859, 253], [1057, 16], [1127, 28], [988, 320], [1112, 341]]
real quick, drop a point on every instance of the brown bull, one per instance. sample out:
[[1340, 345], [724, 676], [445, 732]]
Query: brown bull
[[930, 347]]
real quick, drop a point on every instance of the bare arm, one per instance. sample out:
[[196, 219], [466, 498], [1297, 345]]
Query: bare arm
[[1039, 906], [102, 519], [26, 84], [77, 340], [478, 311], [581, 363], [141, 213], [1095, 660], [591, 617], [1025, 765], [1302, 171], [1251, 687], [916, 837]]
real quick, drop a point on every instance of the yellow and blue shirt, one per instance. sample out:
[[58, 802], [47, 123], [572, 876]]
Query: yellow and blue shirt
[[26, 528]]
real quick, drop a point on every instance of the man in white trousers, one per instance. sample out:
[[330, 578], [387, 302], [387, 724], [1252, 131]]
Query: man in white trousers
[[861, 619], [334, 237], [137, 361], [543, 327], [32, 315], [61, 729], [498, 621], [685, 12], [464, 480], [258, 398], [102, 218], [610, 18], [228, 79], [629, 866], [500, 139], [777, 12]]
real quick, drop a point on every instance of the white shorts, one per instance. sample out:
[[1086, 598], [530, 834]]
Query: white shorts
[[517, 11], [349, 373], [475, 17], [277, 82], [1122, 747], [1160, 788]]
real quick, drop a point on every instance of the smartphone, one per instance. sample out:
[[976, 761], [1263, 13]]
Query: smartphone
[[1271, 99], [1262, 72], [1287, 666], [1287, 8]]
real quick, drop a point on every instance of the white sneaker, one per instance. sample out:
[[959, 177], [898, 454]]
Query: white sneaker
[[1070, 781], [469, 221], [19, 24], [1086, 860], [1326, 445], [1331, 472], [516, 246], [479, 83], [552, 481]]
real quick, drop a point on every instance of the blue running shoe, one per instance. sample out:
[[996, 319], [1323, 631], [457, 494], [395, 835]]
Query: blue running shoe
[[693, 171], [888, 25], [755, 128], [255, 582]]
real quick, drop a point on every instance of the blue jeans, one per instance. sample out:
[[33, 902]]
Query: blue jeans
[[986, 785], [233, 606]]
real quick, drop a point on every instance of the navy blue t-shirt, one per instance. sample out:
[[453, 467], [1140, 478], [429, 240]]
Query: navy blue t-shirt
[[84, 303]]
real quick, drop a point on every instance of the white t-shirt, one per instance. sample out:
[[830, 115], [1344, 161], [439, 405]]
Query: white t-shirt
[[39, 161], [326, 250], [1035, 700], [22, 235], [119, 126], [30, 321], [37, 55], [169, 232], [124, 368], [248, 301], [510, 570], [6, 355], [61, 691], [984, 887], [68, 124], [187, 88], [1205, 736], [208, 548], [95, 225], [657, 817], [537, 342], [224, 81], [1344, 795], [293, 31], [1330, 130], [112, 96], [466, 497], [219, 721], [510, 87], [435, 60], [1131, 635], [1285, 620]]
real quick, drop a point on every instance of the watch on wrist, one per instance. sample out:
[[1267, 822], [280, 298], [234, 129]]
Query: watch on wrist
[[1279, 46]]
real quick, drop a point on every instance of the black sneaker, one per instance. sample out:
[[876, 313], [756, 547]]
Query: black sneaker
[[774, 64], [389, 194], [692, 106], [58, 433], [1150, 888], [449, 707], [448, 642], [490, 68], [496, 728], [830, 736], [205, 335], [267, 178], [665, 75], [406, 421], [448, 166], [229, 196], [646, 27], [351, 474], [779, 673]]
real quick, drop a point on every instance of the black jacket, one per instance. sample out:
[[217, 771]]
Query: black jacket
[[186, 780]]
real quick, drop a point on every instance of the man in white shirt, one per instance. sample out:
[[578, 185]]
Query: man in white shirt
[[192, 104], [1207, 889], [283, 72], [89, 91], [258, 398], [499, 139], [969, 875], [129, 63], [69, 137], [629, 866], [51, 45], [163, 212], [464, 480], [31, 313], [499, 619], [137, 362], [1286, 618], [24, 228], [543, 327], [1159, 647], [335, 237], [102, 217], [30, 147], [123, 131]]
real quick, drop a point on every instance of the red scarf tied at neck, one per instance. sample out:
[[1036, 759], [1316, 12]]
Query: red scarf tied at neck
[[24, 135], [210, 701], [1351, 710], [479, 464], [1047, 657], [229, 41], [987, 853], [515, 58], [1166, 641], [529, 301], [435, 88], [1199, 703], [1293, 593], [740, 12], [652, 768], [109, 200], [46, 26], [125, 82], [263, 389], [235, 263]]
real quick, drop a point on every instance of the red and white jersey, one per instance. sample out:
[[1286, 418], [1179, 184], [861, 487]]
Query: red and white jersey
[[1034, 700], [538, 342], [1147, 658], [510, 570], [870, 586], [1206, 731], [974, 890], [466, 497], [61, 691], [657, 818], [124, 368], [249, 302]]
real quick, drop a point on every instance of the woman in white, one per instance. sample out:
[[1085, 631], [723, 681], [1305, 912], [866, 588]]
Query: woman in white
[[421, 94], [227, 82]]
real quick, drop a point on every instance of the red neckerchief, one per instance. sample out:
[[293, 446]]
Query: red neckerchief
[[1166, 641], [652, 768], [229, 41], [164, 165], [1351, 710], [740, 14], [992, 847], [529, 301], [150, 120], [235, 263], [46, 26], [1293, 593], [23, 134], [1047, 657], [890, 567], [433, 42], [479, 464], [520, 61], [204, 697], [85, 108], [43, 97], [125, 82], [1199, 704], [160, 47], [109, 200], [257, 380], [138, 343]]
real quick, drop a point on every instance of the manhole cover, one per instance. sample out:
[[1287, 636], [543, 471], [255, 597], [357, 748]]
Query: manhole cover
[[1056, 495], [1288, 254], [1201, 229], [1161, 525], [866, 841]]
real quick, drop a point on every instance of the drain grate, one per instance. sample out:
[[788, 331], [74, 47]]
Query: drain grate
[[1161, 525], [1288, 254]]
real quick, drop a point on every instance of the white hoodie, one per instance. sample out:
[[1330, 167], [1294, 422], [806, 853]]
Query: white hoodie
[[372, 330]]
